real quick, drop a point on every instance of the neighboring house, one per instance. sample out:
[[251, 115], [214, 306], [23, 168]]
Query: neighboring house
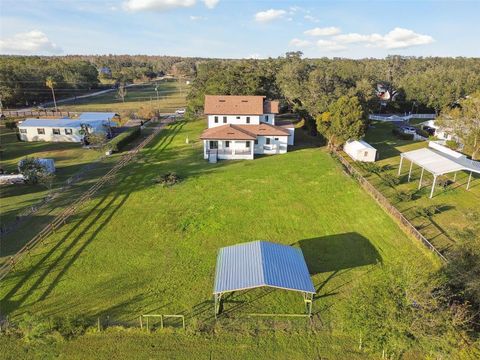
[[241, 126], [65, 129]]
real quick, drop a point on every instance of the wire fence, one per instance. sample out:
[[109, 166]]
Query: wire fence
[[405, 224], [71, 210]]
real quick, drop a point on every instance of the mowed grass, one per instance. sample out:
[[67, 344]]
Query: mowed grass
[[171, 96], [460, 208], [141, 248], [69, 159]]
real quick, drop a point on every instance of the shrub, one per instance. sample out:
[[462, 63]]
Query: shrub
[[390, 180], [123, 139], [11, 125], [452, 144], [402, 196], [423, 133], [168, 179], [372, 167], [32, 170], [428, 211]]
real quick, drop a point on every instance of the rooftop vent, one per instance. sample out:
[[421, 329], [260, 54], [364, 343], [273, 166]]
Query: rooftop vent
[[244, 100], [221, 100]]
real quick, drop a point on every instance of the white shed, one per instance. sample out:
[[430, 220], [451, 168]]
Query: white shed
[[359, 150]]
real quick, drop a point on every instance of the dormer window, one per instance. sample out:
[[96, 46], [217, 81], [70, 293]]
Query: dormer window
[[248, 120], [266, 118], [216, 119], [224, 119]]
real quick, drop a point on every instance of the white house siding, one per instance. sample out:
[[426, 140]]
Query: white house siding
[[237, 149], [33, 135], [240, 120], [291, 138], [278, 145]]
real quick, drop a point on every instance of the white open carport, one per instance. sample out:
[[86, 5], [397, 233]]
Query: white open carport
[[439, 160]]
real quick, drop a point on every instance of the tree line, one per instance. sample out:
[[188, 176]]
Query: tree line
[[23, 78], [310, 87]]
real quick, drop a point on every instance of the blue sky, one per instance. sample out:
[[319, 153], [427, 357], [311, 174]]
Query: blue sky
[[240, 29]]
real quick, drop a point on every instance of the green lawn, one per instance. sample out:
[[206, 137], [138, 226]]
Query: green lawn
[[171, 96], [460, 209], [140, 248], [69, 159]]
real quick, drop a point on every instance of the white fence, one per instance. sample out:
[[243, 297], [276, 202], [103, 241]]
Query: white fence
[[401, 117]]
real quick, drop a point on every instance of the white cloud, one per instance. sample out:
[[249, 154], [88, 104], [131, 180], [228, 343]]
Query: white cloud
[[254, 56], [326, 31], [269, 15], [211, 3], [311, 18], [300, 43], [397, 38], [196, 18], [31, 42], [330, 45], [156, 5]]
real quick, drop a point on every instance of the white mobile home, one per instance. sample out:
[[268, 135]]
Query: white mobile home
[[65, 129], [359, 150]]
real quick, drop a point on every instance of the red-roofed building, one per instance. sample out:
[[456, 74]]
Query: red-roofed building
[[241, 126]]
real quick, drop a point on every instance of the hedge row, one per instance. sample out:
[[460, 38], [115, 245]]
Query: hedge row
[[123, 139]]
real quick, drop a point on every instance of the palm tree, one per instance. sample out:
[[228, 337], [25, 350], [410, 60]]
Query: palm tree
[[50, 83]]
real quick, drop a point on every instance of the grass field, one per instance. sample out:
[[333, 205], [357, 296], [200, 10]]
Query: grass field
[[171, 96], [141, 248], [69, 159], [460, 209]]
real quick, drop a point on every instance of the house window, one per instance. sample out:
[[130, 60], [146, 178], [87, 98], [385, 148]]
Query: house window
[[247, 144], [365, 154], [238, 117], [56, 131], [41, 131], [267, 141], [23, 131], [224, 119], [227, 144], [68, 131], [266, 118], [248, 119], [213, 145], [276, 139], [216, 119], [256, 141]]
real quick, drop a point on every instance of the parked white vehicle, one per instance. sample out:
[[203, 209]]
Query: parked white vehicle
[[180, 111]]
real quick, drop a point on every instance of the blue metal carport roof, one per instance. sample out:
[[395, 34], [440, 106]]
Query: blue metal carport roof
[[261, 263]]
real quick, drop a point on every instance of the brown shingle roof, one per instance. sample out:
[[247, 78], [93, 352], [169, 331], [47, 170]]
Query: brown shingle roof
[[239, 105], [242, 132], [227, 132], [265, 129]]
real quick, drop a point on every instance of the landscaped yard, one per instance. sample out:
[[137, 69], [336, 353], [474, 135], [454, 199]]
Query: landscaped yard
[[171, 96], [142, 248], [69, 159], [459, 209]]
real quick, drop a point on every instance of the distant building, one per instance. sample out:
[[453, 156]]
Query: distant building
[[359, 150], [66, 129], [241, 126], [105, 70]]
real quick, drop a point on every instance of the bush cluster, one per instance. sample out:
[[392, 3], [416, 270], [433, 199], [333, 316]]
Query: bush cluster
[[123, 139], [168, 179]]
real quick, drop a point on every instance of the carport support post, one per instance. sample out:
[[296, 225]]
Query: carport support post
[[400, 166], [421, 177], [469, 179], [410, 171], [455, 177], [433, 185]]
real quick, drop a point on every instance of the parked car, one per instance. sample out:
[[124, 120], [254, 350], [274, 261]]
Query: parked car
[[180, 111], [429, 130], [408, 129]]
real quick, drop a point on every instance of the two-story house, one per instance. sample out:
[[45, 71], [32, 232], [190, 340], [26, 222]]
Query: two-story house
[[241, 126]]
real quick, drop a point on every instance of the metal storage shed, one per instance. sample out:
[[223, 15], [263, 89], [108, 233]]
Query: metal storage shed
[[359, 150], [438, 160], [258, 264]]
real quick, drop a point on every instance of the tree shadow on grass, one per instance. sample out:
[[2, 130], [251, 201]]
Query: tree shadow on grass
[[338, 252]]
